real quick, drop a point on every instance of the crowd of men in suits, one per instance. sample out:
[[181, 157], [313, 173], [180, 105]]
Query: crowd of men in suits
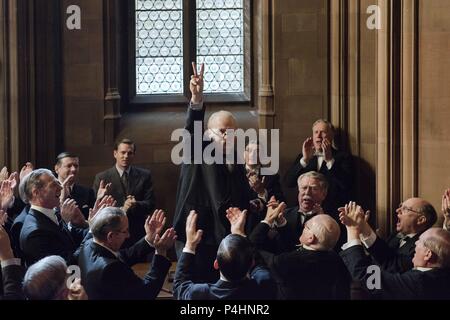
[[233, 233]]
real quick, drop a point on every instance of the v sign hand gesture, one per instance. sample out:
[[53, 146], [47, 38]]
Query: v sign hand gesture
[[196, 84]]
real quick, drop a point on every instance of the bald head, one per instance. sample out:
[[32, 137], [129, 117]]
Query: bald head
[[415, 215], [321, 232], [438, 241], [222, 120]]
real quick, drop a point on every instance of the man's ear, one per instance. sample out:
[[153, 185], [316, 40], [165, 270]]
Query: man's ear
[[430, 256], [109, 236], [56, 168], [216, 265], [421, 220]]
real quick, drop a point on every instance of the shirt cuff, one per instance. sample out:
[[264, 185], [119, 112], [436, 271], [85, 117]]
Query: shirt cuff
[[198, 106], [151, 245], [330, 163], [186, 250], [368, 241], [265, 222], [264, 197], [11, 262], [281, 225], [303, 163], [351, 243]]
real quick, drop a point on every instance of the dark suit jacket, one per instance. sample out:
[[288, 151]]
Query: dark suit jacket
[[210, 190], [41, 237], [105, 277], [391, 257], [305, 274], [84, 197], [140, 186], [260, 285], [340, 179], [14, 234], [413, 284], [12, 277]]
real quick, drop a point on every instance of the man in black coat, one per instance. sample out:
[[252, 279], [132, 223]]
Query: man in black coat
[[238, 278], [312, 272], [429, 279], [415, 216], [319, 154], [106, 272], [68, 164], [209, 189], [130, 186], [44, 232], [11, 270]]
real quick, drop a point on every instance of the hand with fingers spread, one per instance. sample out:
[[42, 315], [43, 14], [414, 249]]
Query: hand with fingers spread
[[353, 216], [6, 195], [165, 242], [308, 149], [103, 189], [237, 220], [26, 169], [154, 225], [275, 213], [196, 84], [193, 236], [106, 201]]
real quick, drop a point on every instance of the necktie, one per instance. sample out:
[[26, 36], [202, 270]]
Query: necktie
[[125, 182], [403, 239]]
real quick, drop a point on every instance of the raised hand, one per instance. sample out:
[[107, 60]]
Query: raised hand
[[165, 242], [256, 183], [327, 150], [129, 203], [26, 169], [65, 192], [308, 149], [4, 174], [446, 208], [193, 236], [103, 189], [196, 84], [107, 201], [154, 225], [275, 213], [6, 195], [237, 220]]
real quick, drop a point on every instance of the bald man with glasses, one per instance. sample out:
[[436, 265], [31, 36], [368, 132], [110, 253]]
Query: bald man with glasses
[[414, 217]]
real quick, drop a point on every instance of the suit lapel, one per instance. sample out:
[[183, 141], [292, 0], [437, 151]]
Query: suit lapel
[[117, 184]]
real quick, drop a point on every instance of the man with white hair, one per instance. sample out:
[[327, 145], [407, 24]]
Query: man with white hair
[[209, 189], [429, 278], [47, 279], [314, 270], [320, 154]]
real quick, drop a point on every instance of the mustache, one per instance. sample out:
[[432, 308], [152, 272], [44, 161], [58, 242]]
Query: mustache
[[307, 198]]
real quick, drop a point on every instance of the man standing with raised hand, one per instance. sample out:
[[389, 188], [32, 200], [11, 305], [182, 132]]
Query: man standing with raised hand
[[209, 189]]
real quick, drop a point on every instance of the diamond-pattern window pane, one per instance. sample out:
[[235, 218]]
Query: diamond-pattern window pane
[[159, 47], [220, 44]]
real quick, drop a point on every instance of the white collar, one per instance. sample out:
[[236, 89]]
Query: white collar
[[49, 213], [423, 269], [121, 171]]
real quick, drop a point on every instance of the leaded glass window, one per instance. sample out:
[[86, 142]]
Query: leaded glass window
[[164, 49]]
